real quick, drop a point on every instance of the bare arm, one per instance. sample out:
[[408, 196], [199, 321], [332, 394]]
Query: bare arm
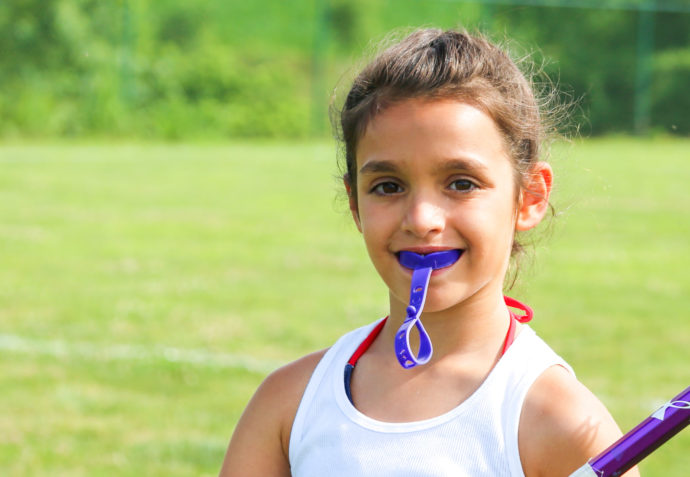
[[259, 444], [562, 426]]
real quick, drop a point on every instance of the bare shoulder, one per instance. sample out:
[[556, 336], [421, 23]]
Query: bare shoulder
[[259, 444], [562, 426]]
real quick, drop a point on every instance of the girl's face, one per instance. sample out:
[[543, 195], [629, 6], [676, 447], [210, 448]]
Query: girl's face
[[434, 175]]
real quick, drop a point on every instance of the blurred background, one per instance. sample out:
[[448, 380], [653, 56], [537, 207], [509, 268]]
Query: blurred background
[[172, 224], [173, 69]]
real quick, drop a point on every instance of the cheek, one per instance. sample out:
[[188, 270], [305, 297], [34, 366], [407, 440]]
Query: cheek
[[370, 224], [376, 231], [490, 229]]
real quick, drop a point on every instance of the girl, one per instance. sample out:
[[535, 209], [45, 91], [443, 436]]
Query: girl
[[442, 138]]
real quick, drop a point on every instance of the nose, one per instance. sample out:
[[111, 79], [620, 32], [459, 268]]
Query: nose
[[424, 216]]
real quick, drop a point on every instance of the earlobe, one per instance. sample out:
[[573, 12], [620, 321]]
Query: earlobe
[[534, 198], [353, 201]]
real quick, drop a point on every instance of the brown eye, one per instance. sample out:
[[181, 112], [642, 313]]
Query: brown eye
[[462, 185], [387, 188]]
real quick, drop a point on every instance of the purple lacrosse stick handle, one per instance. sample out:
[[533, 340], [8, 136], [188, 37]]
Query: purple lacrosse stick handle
[[422, 265], [641, 441]]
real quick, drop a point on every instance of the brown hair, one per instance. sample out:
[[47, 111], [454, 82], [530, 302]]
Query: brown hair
[[435, 64]]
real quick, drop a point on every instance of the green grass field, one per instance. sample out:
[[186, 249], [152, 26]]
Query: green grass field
[[145, 290]]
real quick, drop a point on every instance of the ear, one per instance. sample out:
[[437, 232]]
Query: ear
[[534, 197], [353, 201]]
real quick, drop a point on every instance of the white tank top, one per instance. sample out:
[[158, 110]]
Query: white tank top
[[331, 438]]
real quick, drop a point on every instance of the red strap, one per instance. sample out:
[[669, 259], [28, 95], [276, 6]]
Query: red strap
[[510, 336], [364, 345], [513, 303], [514, 318]]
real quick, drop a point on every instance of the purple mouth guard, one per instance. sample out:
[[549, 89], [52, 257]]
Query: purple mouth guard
[[422, 265]]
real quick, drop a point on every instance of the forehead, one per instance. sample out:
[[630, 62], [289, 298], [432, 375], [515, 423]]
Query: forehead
[[418, 132]]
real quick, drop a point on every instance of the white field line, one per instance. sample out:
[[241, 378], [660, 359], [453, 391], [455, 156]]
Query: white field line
[[123, 352]]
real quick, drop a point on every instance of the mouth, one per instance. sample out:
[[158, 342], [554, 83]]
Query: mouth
[[433, 259]]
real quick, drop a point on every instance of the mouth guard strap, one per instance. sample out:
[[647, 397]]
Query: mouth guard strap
[[405, 355], [422, 265]]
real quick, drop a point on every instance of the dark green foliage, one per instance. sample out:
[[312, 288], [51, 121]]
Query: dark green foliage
[[592, 54], [670, 104], [180, 69]]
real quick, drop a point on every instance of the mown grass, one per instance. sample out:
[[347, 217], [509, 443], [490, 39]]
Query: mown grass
[[245, 250]]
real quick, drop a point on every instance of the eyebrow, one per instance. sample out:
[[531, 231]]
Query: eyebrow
[[463, 164], [376, 167]]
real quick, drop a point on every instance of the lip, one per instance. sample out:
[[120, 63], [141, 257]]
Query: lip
[[426, 250]]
